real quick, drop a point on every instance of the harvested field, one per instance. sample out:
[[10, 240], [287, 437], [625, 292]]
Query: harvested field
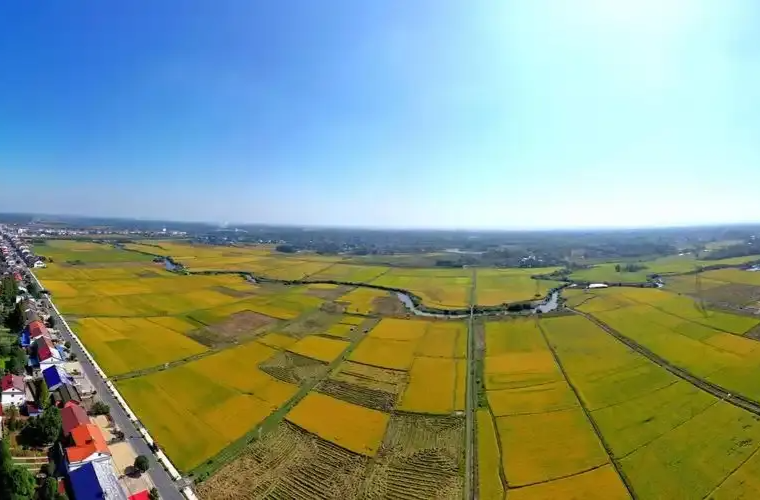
[[370, 398], [237, 327], [371, 377], [420, 457], [294, 368], [353, 427], [289, 463]]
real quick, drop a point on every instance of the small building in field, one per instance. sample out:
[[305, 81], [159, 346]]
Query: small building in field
[[13, 390], [55, 376], [39, 264], [88, 446], [96, 481]]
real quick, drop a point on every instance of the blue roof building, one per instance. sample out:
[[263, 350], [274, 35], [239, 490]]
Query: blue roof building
[[26, 339], [96, 481], [55, 376]]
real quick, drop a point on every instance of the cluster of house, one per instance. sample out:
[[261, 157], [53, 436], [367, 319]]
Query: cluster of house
[[83, 450]]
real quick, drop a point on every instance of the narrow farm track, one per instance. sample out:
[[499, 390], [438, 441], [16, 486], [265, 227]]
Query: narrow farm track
[[737, 400], [589, 417], [471, 403]]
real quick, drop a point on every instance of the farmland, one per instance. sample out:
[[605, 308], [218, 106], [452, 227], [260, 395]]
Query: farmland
[[259, 390]]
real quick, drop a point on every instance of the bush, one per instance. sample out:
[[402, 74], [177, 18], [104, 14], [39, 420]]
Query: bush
[[141, 463], [100, 408]]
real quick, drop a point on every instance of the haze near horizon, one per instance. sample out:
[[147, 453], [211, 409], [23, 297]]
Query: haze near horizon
[[485, 114]]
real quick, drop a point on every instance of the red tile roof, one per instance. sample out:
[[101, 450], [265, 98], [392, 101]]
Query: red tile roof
[[88, 440], [9, 382], [46, 349], [143, 495], [37, 329], [72, 416]]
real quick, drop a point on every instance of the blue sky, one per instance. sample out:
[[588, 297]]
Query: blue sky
[[386, 113]]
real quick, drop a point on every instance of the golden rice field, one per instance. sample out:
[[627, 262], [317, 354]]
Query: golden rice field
[[350, 426], [87, 252], [362, 300], [498, 286], [196, 409], [321, 348], [122, 345]]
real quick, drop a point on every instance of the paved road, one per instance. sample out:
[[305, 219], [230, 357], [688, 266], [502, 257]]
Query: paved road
[[165, 485], [470, 483]]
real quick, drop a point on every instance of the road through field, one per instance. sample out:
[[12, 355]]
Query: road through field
[[738, 400], [166, 487], [470, 402]]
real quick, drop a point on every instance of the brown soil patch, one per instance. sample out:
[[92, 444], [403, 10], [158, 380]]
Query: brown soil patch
[[289, 463], [333, 307], [733, 295], [389, 306], [315, 322], [239, 326], [294, 368]]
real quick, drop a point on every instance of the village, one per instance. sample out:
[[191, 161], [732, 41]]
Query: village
[[57, 432]]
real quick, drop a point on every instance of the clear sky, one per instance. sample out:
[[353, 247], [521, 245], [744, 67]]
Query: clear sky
[[424, 113]]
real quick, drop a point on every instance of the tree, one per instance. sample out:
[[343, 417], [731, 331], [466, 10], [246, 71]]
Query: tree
[[45, 429], [43, 395], [17, 363], [141, 463], [153, 494], [48, 490], [15, 320], [11, 417], [22, 484], [617, 268], [8, 291], [100, 408]]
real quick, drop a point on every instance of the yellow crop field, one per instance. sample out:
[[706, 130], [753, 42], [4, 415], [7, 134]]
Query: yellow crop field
[[351, 426], [461, 385], [190, 414], [548, 446], [321, 348], [444, 339], [598, 484], [399, 329], [350, 273], [347, 319], [498, 286], [393, 354], [340, 330], [122, 345], [532, 399], [362, 300], [432, 386], [173, 323], [277, 340], [516, 335], [520, 369], [295, 270], [490, 485], [443, 292]]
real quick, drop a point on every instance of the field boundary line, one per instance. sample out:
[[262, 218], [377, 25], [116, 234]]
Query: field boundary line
[[732, 472], [558, 478], [716, 390], [594, 425], [502, 472], [662, 434]]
